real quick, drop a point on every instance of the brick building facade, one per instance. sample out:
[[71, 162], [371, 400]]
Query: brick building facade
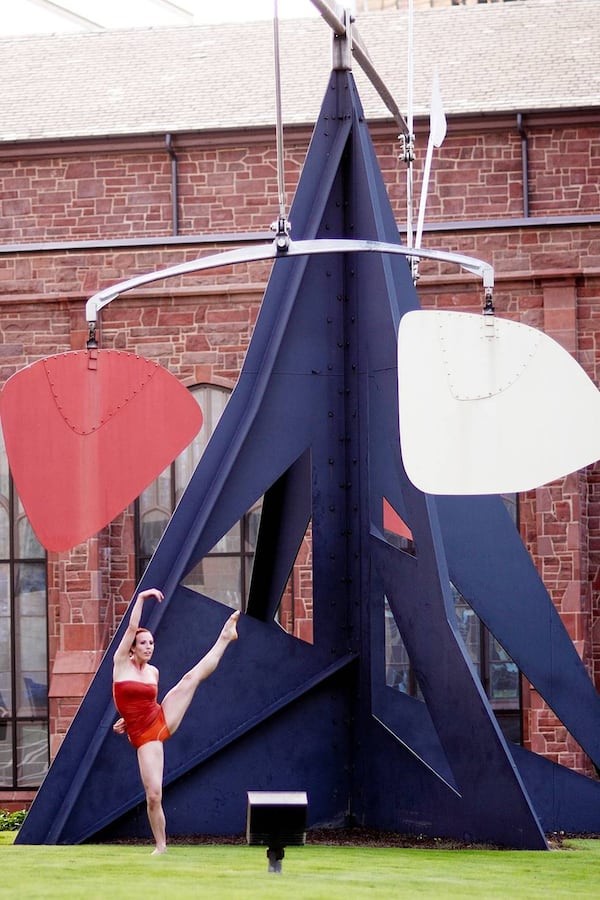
[[80, 213]]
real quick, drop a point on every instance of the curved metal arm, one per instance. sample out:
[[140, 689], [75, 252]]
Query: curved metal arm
[[274, 251]]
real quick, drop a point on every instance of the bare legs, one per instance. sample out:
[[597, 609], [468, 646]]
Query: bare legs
[[175, 705], [151, 763], [176, 702]]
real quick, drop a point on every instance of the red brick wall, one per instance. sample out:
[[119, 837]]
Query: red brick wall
[[480, 175], [199, 327], [117, 195], [77, 198]]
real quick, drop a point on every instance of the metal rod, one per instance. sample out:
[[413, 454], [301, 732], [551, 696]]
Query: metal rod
[[278, 115], [424, 189], [333, 14], [362, 57], [409, 139], [174, 184], [410, 75], [524, 163], [273, 251]]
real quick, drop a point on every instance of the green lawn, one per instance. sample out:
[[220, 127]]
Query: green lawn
[[309, 873]]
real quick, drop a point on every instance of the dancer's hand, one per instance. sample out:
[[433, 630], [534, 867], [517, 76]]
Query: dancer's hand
[[119, 726], [151, 592]]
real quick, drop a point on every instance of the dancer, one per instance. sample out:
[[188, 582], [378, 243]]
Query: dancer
[[145, 722]]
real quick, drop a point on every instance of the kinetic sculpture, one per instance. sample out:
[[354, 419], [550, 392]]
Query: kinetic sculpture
[[313, 426]]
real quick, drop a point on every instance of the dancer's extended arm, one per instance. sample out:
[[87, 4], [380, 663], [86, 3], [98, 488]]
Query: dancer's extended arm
[[122, 651]]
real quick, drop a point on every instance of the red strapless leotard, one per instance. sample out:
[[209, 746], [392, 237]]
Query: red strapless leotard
[[144, 717]]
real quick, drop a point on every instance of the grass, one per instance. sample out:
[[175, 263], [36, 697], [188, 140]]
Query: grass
[[309, 873]]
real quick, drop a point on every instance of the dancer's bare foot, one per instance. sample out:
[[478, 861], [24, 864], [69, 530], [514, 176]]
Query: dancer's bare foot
[[158, 851], [229, 631]]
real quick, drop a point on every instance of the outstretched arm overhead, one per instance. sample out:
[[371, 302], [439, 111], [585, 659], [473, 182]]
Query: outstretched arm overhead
[[122, 652]]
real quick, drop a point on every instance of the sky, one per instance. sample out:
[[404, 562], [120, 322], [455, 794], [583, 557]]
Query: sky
[[45, 16]]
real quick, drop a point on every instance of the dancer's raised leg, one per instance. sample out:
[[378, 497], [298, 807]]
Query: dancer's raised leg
[[178, 699]]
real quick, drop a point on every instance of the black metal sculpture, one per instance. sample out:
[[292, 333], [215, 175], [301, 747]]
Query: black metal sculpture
[[313, 426]]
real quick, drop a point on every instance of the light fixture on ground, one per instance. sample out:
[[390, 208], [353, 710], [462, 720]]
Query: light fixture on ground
[[276, 819]]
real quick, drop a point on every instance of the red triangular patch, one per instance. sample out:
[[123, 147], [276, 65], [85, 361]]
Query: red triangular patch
[[86, 432]]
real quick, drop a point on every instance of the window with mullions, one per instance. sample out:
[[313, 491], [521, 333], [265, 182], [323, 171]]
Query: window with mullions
[[498, 673], [224, 574], [24, 739]]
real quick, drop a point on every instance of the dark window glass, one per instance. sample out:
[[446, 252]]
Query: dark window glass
[[498, 673], [24, 746]]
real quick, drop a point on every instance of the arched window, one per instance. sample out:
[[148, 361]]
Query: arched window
[[24, 746], [224, 574]]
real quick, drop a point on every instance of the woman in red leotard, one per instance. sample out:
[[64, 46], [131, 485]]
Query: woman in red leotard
[[146, 722]]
